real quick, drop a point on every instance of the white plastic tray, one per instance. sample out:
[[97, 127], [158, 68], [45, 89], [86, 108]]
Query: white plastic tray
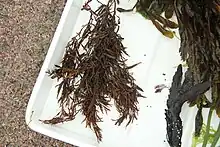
[[158, 55]]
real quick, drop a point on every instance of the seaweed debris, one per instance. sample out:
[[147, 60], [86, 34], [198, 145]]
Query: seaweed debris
[[93, 72], [179, 94], [152, 10], [199, 29]]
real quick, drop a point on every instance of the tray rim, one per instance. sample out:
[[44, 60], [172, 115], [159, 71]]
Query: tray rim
[[36, 125]]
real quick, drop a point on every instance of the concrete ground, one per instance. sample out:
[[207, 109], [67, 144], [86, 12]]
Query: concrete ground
[[26, 30]]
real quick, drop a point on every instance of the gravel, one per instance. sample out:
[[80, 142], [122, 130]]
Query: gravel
[[26, 30]]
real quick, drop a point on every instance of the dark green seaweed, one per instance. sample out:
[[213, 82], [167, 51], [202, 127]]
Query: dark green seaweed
[[198, 122], [179, 94], [199, 29]]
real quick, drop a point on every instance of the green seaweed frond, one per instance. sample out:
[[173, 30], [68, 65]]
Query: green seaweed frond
[[199, 140]]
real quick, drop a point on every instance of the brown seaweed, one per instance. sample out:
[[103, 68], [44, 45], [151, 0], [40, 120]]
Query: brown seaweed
[[93, 72], [153, 9]]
